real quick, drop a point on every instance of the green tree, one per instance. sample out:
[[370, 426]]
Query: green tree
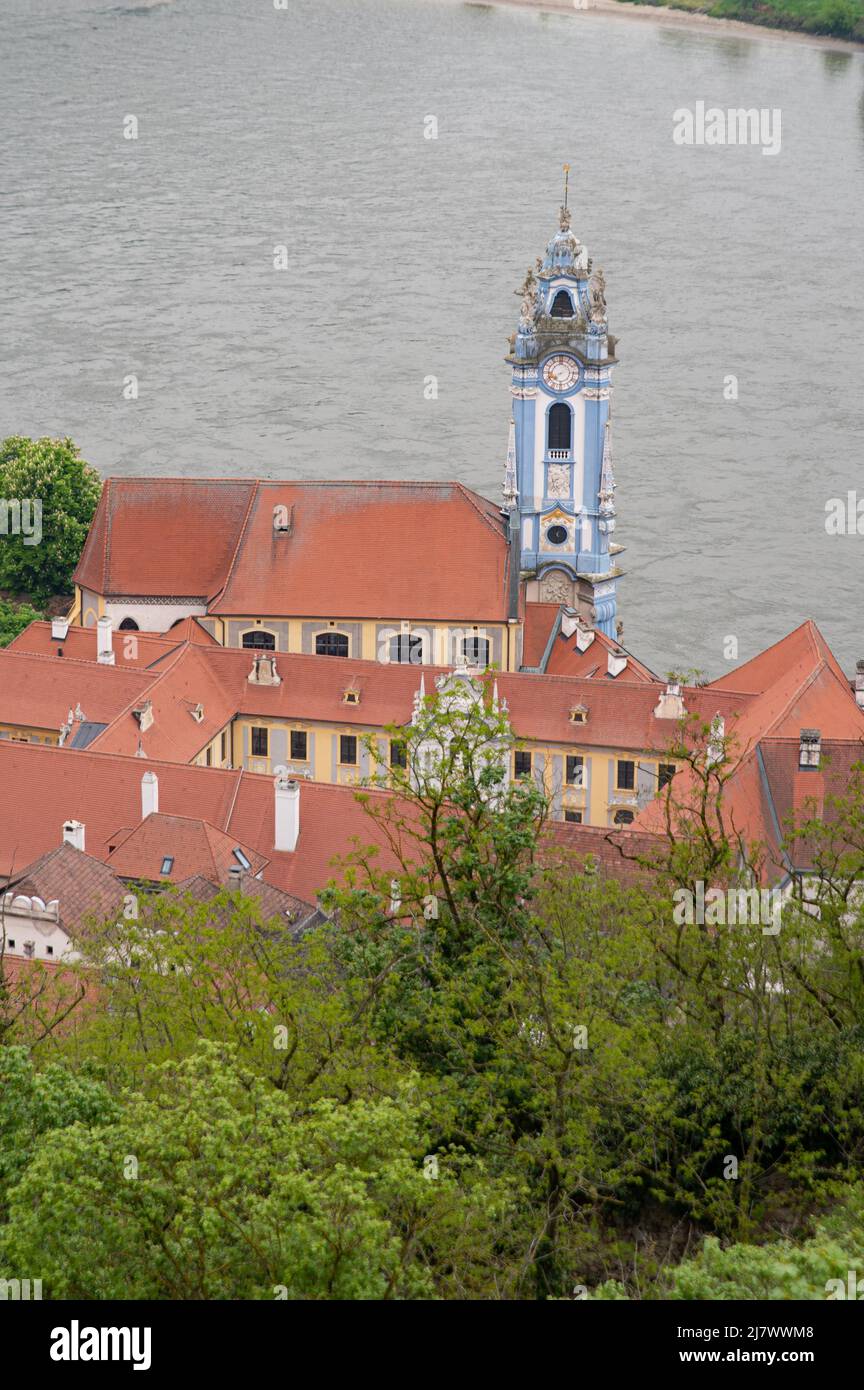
[[218, 1188], [14, 618], [48, 495]]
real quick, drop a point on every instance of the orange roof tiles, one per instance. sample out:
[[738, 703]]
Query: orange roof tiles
[[43, 787], [359, 549], [82, 885], [164, 536], [370, 550], [545, 646], [79, 644], [193, 846], [38, 691]]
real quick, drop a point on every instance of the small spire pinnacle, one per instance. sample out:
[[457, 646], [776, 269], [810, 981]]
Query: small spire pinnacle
[[565, 208], [510, 489], [607, 475]]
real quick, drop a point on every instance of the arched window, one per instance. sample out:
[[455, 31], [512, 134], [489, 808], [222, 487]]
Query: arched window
[[476, 651], [331, 644], [560, 428], [260, 641], [406, 650], [562, 306], [128, 625]]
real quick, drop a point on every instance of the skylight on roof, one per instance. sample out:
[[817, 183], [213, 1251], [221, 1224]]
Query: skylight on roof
[[167, 864], [241, 859]]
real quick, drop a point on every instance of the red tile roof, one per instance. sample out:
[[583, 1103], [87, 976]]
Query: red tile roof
[[83, 886], [371, 550], [620, 713], [193, 846], [543, 638], [355, 549], [79, 644], [43, 787], [39, 691], [164, 536], [804, 647]]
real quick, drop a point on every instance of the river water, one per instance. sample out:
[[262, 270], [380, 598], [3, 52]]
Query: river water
[[305, 128]]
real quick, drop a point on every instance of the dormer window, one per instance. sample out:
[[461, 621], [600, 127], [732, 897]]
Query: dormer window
[[810, 749], [562, 306], [579, 714], [197, 713], [351, 696]]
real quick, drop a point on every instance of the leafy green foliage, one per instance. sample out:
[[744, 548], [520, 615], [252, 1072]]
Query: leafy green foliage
[[14, 617], [603, 1085], [218, 1188], [48, 474]]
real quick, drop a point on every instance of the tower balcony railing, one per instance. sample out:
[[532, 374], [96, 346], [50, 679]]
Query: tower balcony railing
[[559, 454]]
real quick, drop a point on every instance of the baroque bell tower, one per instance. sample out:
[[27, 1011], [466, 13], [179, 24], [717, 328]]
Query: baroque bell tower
[[559, 474]]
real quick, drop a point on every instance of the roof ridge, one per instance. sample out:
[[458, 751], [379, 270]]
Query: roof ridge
[[241, 532]]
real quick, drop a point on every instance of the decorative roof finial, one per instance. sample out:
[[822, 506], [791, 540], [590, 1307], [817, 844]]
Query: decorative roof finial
[[565, 210]]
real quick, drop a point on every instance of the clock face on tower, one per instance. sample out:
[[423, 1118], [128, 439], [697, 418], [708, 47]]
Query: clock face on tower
[[560, 373]]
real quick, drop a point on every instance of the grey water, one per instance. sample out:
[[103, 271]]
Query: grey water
[[306, 128]]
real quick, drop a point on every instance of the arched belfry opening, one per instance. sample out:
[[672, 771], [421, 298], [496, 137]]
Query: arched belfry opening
[[562, 306], [560, 429]]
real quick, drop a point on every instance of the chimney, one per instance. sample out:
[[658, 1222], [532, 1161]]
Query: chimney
[[235, 874], [616, 663], [264, 670], [809, 749], [104, 647], [149, 795], [671, 703], [287, 811], [59, 629], [73, 834], [859, 684]]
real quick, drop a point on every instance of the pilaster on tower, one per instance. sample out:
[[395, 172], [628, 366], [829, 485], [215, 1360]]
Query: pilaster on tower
[[561, 358]]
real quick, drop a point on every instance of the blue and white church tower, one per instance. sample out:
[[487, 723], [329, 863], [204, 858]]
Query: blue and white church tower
[[559, 475]]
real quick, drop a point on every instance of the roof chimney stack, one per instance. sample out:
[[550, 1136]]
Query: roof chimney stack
[[73, 834], [287, 811], [149, 795], [59, 629], [104, 644]]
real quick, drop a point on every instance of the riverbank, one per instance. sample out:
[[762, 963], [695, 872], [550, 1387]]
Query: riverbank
[[686, 18]]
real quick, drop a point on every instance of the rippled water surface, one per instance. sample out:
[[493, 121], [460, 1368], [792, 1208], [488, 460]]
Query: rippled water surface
[[305, 128]]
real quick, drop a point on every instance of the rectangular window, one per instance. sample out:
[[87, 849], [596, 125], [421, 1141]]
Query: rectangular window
[[298, 745], [398, 753], [522, 765], [665, 774], [224, 745], [348, 749], [575, 771], [574, 817], [208, 757], [626, 775], [260, 743]]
